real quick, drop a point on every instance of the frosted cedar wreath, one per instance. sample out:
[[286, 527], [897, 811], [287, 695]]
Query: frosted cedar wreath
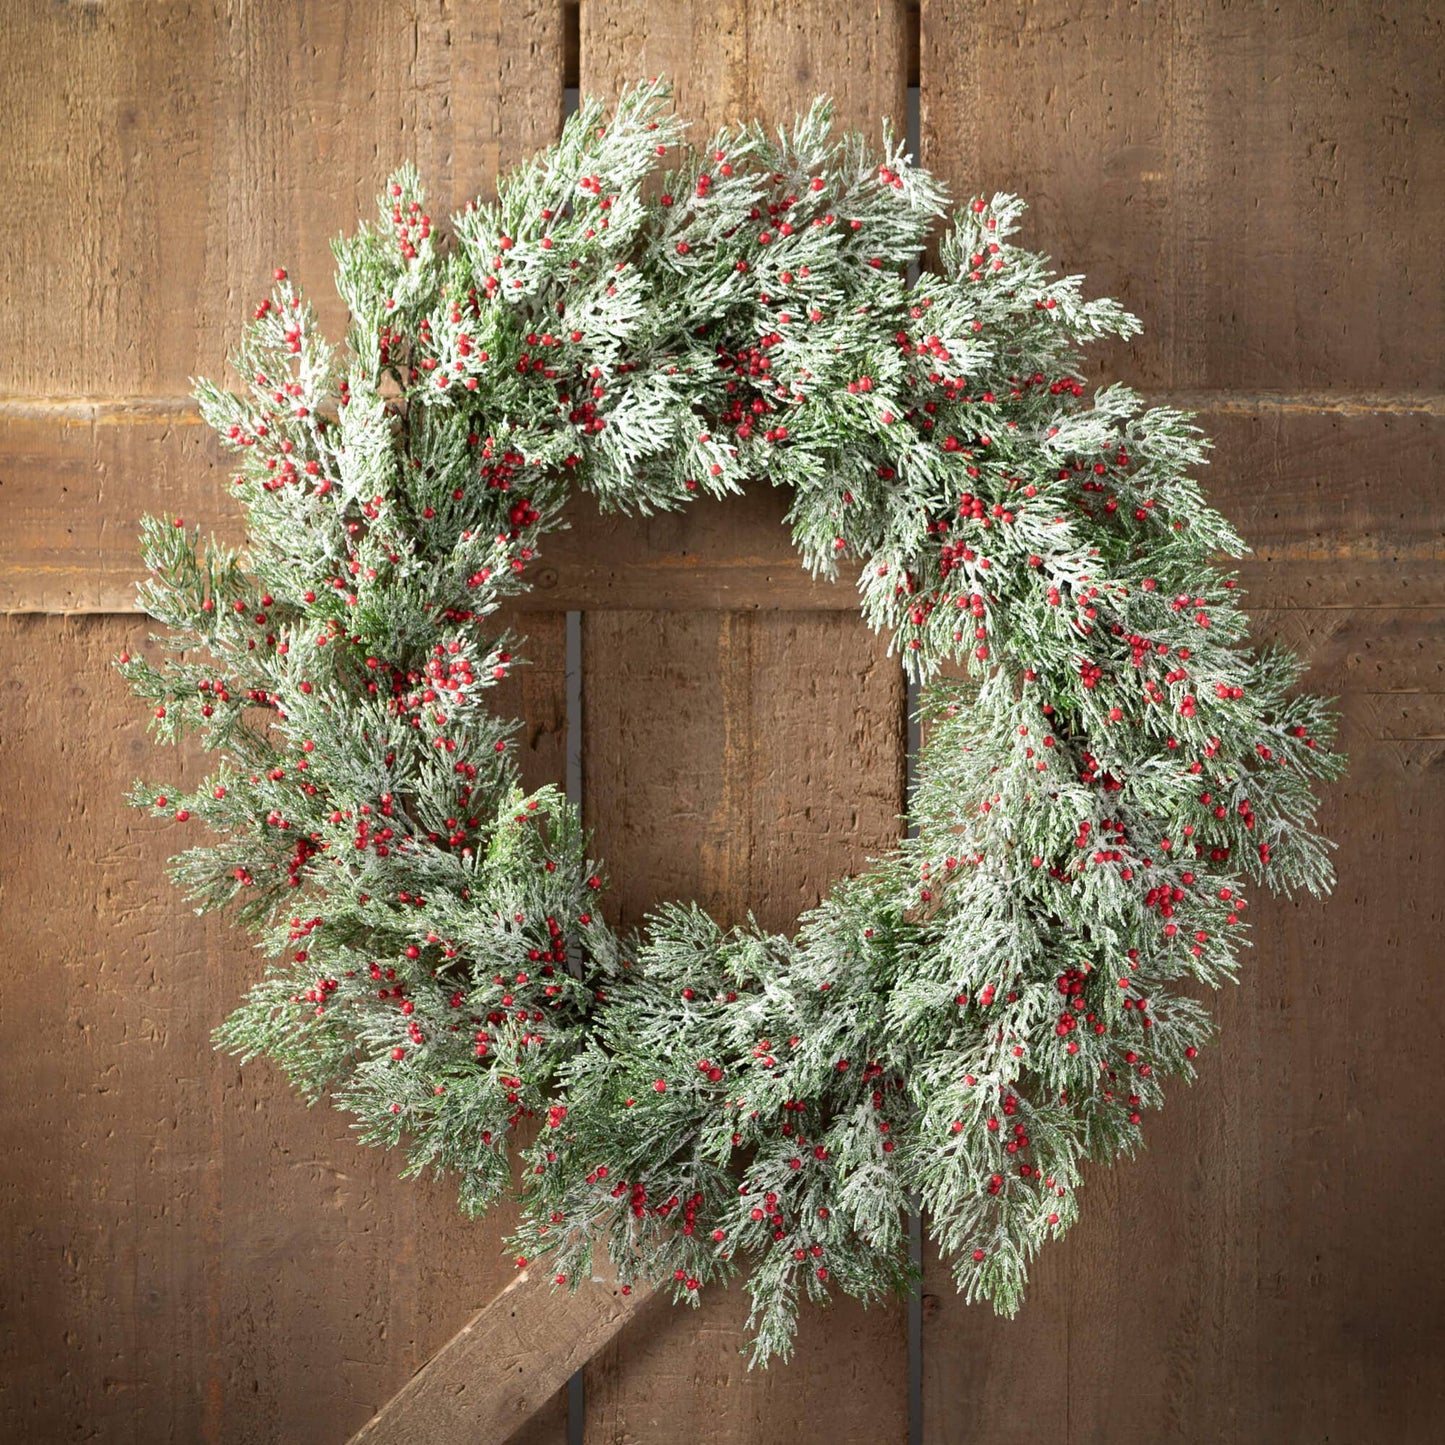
[[961, 1025]]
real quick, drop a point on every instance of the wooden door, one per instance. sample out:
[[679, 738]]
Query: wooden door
[[194, 1254]]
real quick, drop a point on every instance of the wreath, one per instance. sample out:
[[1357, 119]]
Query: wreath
[[1108, 766]]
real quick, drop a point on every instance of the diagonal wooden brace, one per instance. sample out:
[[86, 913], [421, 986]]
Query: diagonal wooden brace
[[504, 1364]]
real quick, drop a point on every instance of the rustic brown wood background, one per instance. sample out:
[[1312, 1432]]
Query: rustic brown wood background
[[190, 1254]]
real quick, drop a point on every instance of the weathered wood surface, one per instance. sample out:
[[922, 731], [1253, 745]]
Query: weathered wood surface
[[194, 1254], [505, 1364], [169, 155], [1315, 481], [1266, 1269], [742, 758], [197, 1256], [1264, 188]]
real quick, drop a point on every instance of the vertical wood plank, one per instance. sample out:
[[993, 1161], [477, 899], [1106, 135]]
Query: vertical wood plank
[[1248, 1277], [1227, 174], [739, 59], [204, 1257], [744, 760], [1263, 188], [111, 1149], [170, 155]]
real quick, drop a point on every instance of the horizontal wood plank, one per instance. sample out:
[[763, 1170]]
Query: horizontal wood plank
[[1329, 491]]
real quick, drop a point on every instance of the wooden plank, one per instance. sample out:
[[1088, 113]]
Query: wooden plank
[[1282, 171], [1368, 651], [1225, 174], [767, 740], [174, 1208], [510, 1358], [1329, 492], [172, 155], [741, 59], [743, 760], [201, 1257], [167, 1285], [109, 1165]]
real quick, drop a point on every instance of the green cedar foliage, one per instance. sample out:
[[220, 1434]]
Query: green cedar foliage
[[1109, 767]]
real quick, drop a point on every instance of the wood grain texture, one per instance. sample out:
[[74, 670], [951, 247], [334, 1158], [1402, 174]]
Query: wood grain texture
[[505, 1364], [736, 60], [1265, 1269], [171, 154], [1332, 494], [196, 1255], [743, 760], [1264, 187], [205, 1259]]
